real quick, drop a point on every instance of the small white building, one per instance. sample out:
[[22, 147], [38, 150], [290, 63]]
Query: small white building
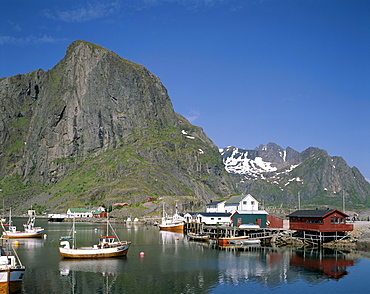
[[216, 206], [235, 203], [190, 217], [241, 202], [79, 212], [214, 218]]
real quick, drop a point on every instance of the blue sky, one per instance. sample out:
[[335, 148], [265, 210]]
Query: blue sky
[[249, 72]]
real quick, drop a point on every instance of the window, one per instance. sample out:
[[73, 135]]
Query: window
[[245, 202], [337, 220], [252, 202]]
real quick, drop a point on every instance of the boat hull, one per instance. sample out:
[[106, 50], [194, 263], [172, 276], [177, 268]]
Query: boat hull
[[226, 241], [93, 253], [172, 227], [56, 219], [198, 237], [11, 280], [17, 235]]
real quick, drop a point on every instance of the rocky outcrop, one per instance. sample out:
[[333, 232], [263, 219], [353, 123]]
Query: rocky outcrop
[[363, 242], [106, 126]]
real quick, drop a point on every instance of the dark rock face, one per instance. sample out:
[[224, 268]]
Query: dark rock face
[[91, 103], [277, 175]]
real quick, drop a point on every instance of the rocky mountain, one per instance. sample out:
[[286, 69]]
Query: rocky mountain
[[278, 175], [96, 129]]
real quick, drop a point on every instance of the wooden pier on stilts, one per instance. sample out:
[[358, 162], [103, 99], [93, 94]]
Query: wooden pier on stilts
[[217, 232]]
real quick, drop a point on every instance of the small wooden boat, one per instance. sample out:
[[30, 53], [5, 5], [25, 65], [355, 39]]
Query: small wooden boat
[[245, 242], [224, 241], [198, 237], [107, 247], [30, 230], [11, 271]]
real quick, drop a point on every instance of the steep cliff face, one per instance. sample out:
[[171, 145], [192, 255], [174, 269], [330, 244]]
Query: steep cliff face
[[92, 100], [99, 113]]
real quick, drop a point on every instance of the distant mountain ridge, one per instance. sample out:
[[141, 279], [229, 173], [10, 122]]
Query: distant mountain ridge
[[278, 175]]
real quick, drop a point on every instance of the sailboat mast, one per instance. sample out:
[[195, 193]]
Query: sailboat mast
[[73, 234]]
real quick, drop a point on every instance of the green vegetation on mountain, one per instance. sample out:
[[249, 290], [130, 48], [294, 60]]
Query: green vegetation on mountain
[[98, 129]]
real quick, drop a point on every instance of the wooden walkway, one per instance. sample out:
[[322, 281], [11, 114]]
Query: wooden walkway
[[216, 232]]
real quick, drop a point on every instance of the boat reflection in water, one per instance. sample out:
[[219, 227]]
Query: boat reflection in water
[[170, 237], [28, 243], [100, 275], [114, 266], [331, 264]]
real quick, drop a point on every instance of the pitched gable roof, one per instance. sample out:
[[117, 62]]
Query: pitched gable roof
[[235, 199], [314, 213], [214, 214], [215, 203], [79, 210]]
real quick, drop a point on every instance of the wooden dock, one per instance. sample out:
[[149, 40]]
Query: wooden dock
[[216, 232]]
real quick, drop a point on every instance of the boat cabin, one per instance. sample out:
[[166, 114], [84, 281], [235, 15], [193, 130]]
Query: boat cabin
[[6, 259], [105, 241]]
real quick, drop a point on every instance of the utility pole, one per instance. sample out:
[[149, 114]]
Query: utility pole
[[344, 207], [299, 200]]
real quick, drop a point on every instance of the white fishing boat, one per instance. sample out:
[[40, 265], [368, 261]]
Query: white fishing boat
[[11, 270], [107, 247], [174, 223], [30, 230]]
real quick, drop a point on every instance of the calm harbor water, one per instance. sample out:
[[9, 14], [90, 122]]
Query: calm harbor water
[[173, 264]]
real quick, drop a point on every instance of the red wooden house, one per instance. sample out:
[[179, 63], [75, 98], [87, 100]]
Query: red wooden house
[[319, 221], [319, 225], [99, 214]]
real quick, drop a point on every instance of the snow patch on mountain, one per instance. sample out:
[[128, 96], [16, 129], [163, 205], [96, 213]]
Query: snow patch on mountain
[[239, 163], [252, 164]]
